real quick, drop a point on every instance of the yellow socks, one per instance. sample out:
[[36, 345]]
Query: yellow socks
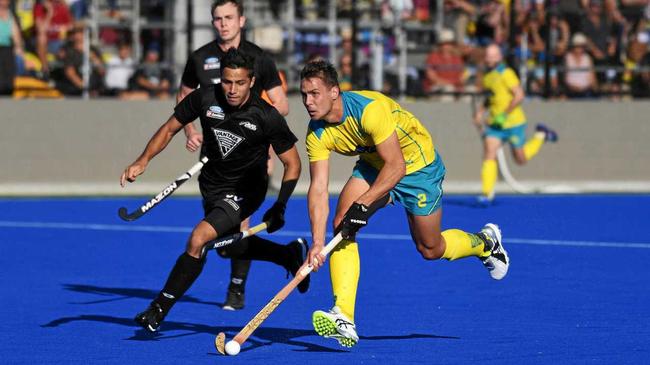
[[462, 244], [489, 176], [344, 273], [534, 145]]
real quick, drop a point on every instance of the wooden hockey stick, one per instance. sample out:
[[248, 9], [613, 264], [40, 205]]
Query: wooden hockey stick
[[247, 331]]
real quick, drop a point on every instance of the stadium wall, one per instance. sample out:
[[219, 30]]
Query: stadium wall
[[76, 147]]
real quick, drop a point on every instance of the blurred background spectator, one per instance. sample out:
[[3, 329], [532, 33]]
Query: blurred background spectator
[[119, 71], [53, 20], [579, 75], [11, 48], [151, 78], [639, 59], [457, 16], [444, 67], [69, 77]]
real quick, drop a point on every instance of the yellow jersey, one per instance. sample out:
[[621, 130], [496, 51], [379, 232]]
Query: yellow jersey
[[500, 82], [369, 118]]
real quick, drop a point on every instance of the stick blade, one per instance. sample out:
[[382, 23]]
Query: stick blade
[[123, 213], [220, 343]]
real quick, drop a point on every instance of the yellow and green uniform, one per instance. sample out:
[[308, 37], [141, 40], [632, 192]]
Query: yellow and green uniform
[[369, 118], [499, 82]]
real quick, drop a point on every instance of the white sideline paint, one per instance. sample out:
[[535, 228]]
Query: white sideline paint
[[374, 236]]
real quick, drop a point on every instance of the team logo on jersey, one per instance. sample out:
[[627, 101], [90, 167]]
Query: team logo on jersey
[[211, 63], [248, 125], [215, 112], [227, 141]]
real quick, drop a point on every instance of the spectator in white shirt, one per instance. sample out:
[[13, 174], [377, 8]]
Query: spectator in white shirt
[[119, 71]]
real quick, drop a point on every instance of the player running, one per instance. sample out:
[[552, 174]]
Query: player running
[[505, 121], [396, 157], [238, 128], [203, 68]]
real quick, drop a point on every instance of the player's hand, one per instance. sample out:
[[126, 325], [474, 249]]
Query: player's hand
[[314, 256], [194, 141], [355, 218], [499, 120], [274, 217], [130, 173]]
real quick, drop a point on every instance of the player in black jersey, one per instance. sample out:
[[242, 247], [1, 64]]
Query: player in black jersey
[[238, 128], [203, 68]]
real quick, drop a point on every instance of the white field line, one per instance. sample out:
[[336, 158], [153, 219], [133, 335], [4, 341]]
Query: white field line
[[374, 236]]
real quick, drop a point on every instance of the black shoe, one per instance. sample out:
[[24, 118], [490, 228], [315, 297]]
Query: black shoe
[[234, 300], [299, 249], [151, 318]]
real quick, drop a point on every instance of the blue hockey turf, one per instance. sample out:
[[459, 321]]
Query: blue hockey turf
[[578, 290]]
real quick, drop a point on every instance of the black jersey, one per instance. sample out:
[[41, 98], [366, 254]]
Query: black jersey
[[204, 67], [236, 140]]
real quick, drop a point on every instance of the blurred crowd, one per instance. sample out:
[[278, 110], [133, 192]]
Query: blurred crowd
[[45, 47], [560, 48]]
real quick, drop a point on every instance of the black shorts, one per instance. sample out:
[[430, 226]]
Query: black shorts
[[225, 208]]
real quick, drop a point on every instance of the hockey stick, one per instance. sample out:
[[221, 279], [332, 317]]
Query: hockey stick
[[233, 238], [507, 176], [167, 191], [247, 331]]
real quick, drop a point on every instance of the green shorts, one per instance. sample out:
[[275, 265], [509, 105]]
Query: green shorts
[[420, 192], [516, 136]]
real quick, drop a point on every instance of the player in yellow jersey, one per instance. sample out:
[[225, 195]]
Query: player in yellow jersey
[[396, 157], [504, 121]]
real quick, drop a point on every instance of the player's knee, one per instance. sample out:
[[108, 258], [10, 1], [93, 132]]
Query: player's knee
[[196, 242], [520, 160]]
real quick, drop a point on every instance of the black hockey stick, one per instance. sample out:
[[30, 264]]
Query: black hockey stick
[[167, 191], [233, 238]]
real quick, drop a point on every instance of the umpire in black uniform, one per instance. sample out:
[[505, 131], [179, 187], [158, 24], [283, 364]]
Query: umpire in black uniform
[[238, 128], [203, 68]]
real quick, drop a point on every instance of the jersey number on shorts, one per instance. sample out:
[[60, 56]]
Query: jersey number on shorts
[[422, 200]]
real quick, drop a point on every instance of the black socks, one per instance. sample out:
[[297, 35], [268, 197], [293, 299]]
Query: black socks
[[182, 276]]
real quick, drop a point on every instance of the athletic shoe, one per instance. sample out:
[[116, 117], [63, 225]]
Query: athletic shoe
[[298, 250], [336, 325], [498, 261], [485, 200], [550, 134], [151, 318], [234, 300]]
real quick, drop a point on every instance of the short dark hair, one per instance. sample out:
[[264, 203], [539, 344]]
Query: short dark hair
[[238, 4], [322, 70], [235, 59]]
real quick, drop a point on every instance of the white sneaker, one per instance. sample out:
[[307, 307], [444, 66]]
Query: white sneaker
[[334, 324], [498, 261]]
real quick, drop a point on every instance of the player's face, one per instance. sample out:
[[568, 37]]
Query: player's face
[[227, 21], [492, 56], [317, 97], [236, 84]]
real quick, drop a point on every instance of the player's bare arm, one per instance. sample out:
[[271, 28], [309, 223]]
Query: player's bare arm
[[517, 97], [317, 201], [390, 174], [279, 100], [291, 162], [156, 144], [479, 118]]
